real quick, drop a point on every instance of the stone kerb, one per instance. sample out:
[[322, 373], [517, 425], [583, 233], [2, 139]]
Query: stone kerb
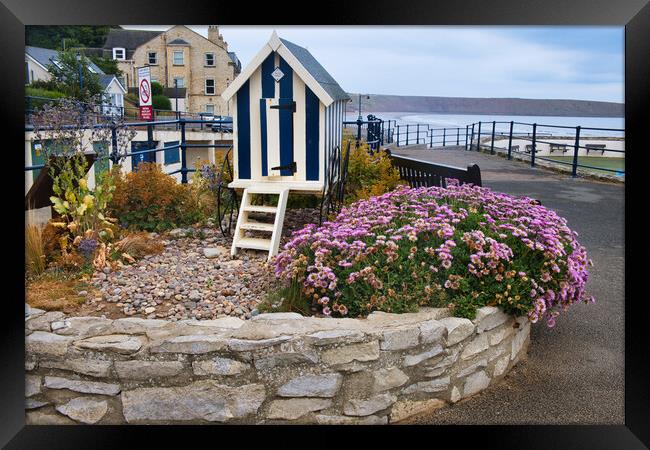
[[274, 368]]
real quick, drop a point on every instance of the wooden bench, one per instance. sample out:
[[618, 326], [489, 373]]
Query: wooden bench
[[600, 147], [514, 148], [420, 173], [553, 147], [529, 148]]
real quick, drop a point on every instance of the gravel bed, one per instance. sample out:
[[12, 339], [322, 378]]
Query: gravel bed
[[193, 278]]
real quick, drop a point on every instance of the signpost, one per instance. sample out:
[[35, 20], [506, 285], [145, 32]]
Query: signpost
[[144, 91]]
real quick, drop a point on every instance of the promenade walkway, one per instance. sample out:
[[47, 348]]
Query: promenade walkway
[[575, 372]]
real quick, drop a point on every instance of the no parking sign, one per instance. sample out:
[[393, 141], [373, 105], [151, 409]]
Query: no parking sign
[[144, 91]]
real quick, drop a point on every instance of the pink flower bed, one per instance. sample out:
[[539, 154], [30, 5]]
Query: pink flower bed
[[461, 247]]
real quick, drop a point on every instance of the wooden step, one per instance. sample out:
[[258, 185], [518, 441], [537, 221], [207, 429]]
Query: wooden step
[[257, 226], [253, 243], [260, 208]]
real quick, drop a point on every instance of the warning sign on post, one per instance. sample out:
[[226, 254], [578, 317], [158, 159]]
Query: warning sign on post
[[144, 90]]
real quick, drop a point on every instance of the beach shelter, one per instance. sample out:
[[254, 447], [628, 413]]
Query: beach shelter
[[287, 121]]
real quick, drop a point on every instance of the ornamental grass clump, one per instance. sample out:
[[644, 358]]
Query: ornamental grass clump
[[461, 247]]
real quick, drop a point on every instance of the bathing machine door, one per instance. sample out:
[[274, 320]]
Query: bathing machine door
[[276, 116]]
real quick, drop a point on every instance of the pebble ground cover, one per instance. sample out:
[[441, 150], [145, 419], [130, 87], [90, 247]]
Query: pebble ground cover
[[462, 247]]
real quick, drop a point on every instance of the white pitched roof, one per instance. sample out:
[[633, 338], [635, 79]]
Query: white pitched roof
[[301, 61]]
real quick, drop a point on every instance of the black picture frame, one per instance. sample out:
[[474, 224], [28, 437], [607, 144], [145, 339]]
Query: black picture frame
[[633, 14]]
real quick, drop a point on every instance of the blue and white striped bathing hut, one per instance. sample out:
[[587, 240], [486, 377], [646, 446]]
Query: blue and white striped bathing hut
[[287, 120]]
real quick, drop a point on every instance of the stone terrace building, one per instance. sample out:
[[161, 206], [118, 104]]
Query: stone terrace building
[[204, 66]]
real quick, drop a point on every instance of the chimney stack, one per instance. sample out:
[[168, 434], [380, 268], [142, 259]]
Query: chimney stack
[[214, 36]]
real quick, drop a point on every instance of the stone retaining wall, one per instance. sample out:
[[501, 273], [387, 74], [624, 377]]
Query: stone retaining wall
[[274, 368]]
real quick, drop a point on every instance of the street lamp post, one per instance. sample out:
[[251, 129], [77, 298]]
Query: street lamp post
[[176, 92], [360, 116], [81, 78]]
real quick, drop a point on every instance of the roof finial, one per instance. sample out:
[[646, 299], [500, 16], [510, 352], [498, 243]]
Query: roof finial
[[274, 41]]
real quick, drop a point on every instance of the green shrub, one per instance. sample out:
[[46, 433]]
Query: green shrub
[[161, 102], [156, 88]]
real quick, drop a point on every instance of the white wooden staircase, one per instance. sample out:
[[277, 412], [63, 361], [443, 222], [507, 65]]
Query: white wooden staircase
[[271, 244]]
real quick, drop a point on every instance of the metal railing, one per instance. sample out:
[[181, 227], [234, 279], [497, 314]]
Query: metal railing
[[378, 132], [116, 155], [105, 111], [475, 135]]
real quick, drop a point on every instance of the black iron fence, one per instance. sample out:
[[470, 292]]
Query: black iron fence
[[377, 131], [565, 143], [116, 155], [103, 112]]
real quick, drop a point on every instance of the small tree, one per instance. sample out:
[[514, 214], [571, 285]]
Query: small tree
[[73, 76], [108, 66], [67, 131]]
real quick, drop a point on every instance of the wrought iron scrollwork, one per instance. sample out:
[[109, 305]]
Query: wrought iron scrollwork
[[227, 201], [335, 181]]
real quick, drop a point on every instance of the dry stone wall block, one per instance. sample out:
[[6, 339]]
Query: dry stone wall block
[[356, 352], [294, 408], [326, 385], [48, 344], [368, 406], [83, 386], [489, 317], [84, 410], [118, 343], [143, 370], [85, 366], [401, 338], [386, 379], [457, 329], [202, 400], [219, 366], [475, 383]]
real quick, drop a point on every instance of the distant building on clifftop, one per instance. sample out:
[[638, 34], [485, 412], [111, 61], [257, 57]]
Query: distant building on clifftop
[[181, 57]]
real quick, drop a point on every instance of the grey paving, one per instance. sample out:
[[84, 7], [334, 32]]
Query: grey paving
[[575, 371]]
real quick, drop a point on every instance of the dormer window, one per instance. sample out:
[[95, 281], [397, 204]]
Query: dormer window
[[119, 53], [153, 58], [209, 59]]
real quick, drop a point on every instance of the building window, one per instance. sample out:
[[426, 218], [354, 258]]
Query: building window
[[179, 82], [209, 108], [178, 58], [153, 58], [209, 86], [119, 53], [209, 59]]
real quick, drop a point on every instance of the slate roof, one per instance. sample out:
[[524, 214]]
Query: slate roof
[[106, 79], [128, 39], [235, 60], [319, 73], [178, 41], [45, 57]]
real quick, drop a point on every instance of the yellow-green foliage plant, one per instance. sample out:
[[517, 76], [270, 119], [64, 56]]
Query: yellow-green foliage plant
[[369, 174]]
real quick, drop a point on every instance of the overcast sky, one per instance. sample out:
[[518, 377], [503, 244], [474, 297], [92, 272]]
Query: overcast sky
[[585, 63]]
